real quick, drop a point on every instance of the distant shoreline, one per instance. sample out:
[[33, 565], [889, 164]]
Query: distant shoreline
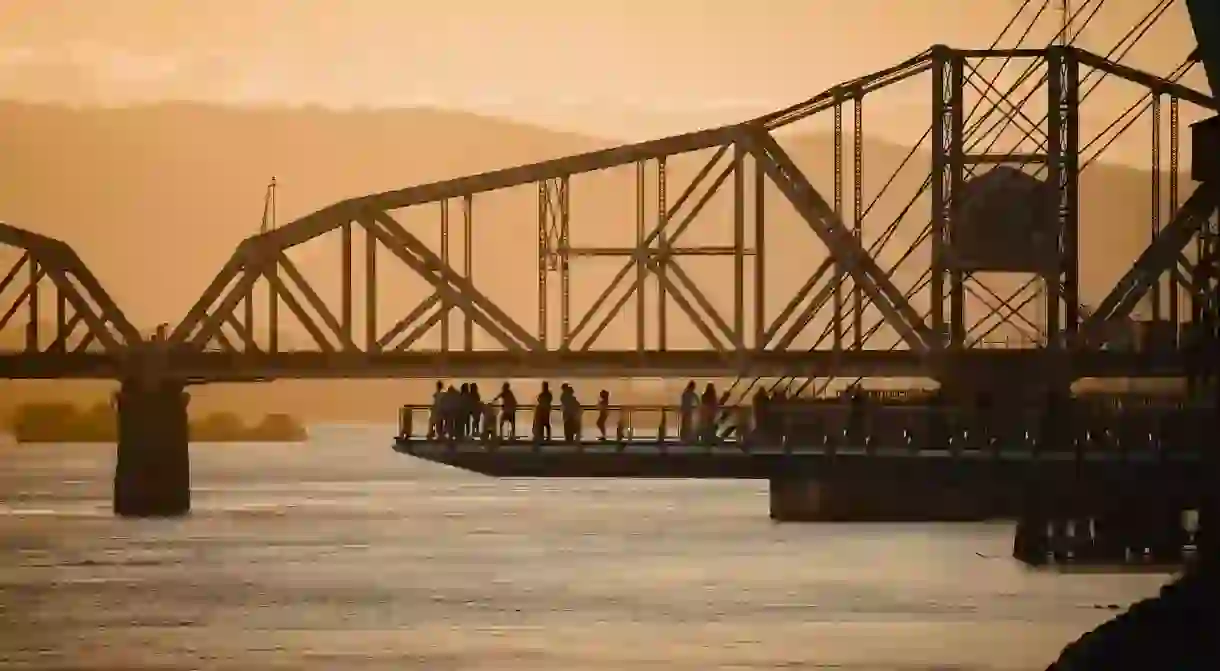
[[42, 423]]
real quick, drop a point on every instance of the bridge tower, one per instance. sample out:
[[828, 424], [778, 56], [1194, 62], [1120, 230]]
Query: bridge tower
[[990, 216]]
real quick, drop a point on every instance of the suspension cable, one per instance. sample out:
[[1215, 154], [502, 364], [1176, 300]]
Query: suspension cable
[[1117, 53], [1032, 69]]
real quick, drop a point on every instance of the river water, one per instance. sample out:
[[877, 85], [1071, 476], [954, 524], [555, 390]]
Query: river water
[[341, 554]]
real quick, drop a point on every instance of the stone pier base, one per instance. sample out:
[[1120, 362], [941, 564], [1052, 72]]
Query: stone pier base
[[152, 475]]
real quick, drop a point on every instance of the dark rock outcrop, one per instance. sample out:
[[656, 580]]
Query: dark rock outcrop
[[1177, 630]]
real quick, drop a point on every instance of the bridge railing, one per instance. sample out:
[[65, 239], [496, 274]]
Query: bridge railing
[[1080, 427], [621, 423]]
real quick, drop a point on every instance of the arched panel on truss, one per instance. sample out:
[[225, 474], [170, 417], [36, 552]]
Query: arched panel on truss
[[52, 303]]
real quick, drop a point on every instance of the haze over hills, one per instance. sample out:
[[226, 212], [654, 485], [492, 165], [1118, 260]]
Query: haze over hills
[[156, 198]]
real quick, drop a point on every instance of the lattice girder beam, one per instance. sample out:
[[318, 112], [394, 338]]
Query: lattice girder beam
[[656, 252], [1159, 257], [329, 218], [853, 258], [257, 260], [859, 86], [80, 298], [458, 290]]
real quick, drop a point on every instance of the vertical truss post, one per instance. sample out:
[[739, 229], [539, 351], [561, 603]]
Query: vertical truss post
[[248, 300], [957, 161], [31, 329], [565, 246], [468, 265], [662, 246], [641, 255], [370, 289], [273, 297], [857, 294], [1154, 292], [544, 257], [1063, 146], [445, 305], [837, 296], [1174, 139], [345, 262], [946, 125], [760, 266], [61, 322], [739, 244]]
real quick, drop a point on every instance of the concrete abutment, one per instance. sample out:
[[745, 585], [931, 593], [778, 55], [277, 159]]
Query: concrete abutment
[[152, 475]]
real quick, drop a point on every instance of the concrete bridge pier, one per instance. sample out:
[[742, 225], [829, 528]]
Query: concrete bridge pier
[[152, 476]]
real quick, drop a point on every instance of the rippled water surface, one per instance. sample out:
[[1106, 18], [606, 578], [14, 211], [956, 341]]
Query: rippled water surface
[[341, 554]]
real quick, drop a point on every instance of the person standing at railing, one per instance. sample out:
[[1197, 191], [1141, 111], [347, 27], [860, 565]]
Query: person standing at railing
[[686, 416], [508, 410], [709, 406], [761, 411], [462, 412], [603, 412], [476, 409], [569, 408], [451, 408], [436, 424], [542, 414]]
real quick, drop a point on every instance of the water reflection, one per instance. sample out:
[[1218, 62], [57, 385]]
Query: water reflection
[[342, 553]]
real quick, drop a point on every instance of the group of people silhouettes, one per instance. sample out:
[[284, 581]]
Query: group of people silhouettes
[[459, 413]]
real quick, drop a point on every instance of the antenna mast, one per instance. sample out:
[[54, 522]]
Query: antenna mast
[[268, 209], [1065, 23]]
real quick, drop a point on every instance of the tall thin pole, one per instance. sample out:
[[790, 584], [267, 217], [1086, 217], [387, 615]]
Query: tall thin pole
[[1065, 28]]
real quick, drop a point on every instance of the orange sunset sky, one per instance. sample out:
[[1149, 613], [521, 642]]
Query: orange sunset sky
[[624, 68]]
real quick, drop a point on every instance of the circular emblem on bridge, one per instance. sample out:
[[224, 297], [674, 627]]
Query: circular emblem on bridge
[[1005, 223]]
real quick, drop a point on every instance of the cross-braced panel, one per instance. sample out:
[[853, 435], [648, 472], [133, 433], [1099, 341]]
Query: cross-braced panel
[[50, 303], [647, 248]]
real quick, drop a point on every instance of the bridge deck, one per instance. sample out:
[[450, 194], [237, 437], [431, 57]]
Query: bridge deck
[[575, 365], [1005, 469]]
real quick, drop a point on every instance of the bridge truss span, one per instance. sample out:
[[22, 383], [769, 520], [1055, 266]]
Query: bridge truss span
[[770, 247], [736, 163], [56, 320]]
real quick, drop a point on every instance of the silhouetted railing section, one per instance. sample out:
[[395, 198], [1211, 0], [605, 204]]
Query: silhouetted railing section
[[1110, 425], [622, 423]]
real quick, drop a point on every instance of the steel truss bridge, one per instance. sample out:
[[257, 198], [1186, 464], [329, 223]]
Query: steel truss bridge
[[881, 311]]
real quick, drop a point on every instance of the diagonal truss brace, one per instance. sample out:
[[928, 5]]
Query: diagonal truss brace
[[77, 288], [818, 214], [1162, 255], [658, 253], [458, 291]]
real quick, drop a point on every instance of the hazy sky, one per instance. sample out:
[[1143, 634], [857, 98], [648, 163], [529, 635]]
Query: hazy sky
[[581, 64]]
